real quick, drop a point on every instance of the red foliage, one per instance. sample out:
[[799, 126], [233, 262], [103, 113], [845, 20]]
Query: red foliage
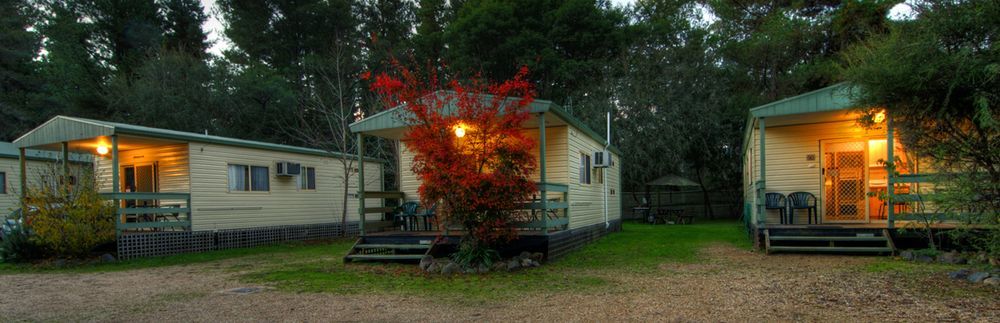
[[479, 179]]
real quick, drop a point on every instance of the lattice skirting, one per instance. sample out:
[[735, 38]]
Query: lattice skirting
[[150, 244]]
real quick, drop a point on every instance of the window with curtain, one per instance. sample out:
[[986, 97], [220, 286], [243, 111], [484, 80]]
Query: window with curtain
[[3, 183], [584, 168], [259, 179], [307, 180], [239, 178]]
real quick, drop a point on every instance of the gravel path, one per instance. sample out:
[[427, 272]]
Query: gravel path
[[731, 285]]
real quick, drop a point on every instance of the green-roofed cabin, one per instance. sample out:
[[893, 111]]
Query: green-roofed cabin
[[173, 181], [812, 146], [40, 165], [574, 210]]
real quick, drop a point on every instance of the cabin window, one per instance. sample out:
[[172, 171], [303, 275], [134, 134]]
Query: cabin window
[[599, 175], [3, 183], [584, 168], [307, 180], [249, 178]]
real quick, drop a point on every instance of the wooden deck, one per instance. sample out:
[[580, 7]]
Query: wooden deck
[[843, 226]]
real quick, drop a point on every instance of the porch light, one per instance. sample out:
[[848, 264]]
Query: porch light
[[459, 131], [102, 150], [879, 117]]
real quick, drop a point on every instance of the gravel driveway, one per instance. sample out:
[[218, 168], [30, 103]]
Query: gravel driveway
[[730, 285]]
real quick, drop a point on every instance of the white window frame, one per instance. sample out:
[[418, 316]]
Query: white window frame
[[248, 173], [304, 177]]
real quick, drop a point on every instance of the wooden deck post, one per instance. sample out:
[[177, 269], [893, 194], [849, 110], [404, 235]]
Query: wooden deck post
[[115, 183], [23, 166], [541, 174], [65, 160], [890, 218], [762, 187], [361, 184]]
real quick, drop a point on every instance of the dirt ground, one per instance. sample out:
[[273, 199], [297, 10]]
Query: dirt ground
[[732, 285]]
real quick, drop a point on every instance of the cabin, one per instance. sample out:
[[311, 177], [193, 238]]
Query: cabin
[[814, 180], [38, 164], [578, 199], [181, 191]]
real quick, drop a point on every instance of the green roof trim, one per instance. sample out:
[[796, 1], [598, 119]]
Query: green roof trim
[[63, 128], [831, 98], [392, 118]]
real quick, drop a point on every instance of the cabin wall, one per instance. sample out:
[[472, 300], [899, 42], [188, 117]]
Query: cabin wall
[[586, 201], [36, 169], [172, 165], [215, 207], [788, 168], [556, 147]]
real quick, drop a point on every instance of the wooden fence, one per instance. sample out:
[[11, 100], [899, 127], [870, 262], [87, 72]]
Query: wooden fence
[[724, 204]]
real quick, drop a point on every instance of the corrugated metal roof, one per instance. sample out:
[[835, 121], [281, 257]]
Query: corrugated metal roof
[[63, 128], [831, 98], [393, 118]]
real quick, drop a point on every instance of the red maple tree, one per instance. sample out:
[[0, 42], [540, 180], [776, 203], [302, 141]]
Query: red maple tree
[[470, 153]]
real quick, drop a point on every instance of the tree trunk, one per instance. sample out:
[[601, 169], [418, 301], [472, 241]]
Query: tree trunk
[[707, 202]]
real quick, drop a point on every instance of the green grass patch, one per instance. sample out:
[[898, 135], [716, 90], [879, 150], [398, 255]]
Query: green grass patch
[[319, 268]]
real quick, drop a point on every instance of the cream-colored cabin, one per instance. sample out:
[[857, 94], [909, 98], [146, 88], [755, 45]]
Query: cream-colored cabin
[[574, 186], [813, 143], [167, 180], [39, 165]]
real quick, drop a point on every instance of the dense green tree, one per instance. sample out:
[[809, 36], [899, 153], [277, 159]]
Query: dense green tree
[[428, 42], [182, 25], [18, 70]]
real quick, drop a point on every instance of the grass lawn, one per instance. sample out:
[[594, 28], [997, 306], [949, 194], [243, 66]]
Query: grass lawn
[[318, 267]]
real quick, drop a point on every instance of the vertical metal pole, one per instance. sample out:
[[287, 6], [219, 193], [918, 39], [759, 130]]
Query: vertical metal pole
[[891, 177], [23, 160], [762, 189], [361, 183], [115, 185], [541, 174], [65, 160]]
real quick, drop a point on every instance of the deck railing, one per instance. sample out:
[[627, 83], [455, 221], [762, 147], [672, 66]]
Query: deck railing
[[152, 211]]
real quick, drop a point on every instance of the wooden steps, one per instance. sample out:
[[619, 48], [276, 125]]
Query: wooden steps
[[833, 241], [402, 249]]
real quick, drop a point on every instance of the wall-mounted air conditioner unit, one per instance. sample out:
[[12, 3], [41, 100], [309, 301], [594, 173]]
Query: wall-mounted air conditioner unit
[[602, 159], [285, 168]]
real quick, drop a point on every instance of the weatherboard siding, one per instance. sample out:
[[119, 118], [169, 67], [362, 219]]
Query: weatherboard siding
[[786, 150], [285, 204], [587, 200], [556, 162], [12, 169], [171, 162]]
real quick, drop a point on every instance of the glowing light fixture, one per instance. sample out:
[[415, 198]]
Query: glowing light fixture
[[879, 117], [459, 131], [102, 149]]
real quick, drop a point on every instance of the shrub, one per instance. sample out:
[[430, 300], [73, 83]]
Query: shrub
[[17, 245], [68, 219]]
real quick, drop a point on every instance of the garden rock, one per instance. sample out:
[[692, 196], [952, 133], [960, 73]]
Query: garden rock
[[450, 269], [953, 258], [925, 259], [524, 255], [526, 262], [482, 269], [426, 262], [960, 274], [499, 266], [992, 281], [907, 255], [978, 277], [107, 258], [513, 265], [435, 267]]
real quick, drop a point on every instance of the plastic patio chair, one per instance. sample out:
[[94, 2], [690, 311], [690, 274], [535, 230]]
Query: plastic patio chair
[[406, 215], [803, 200], [776, 201]]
